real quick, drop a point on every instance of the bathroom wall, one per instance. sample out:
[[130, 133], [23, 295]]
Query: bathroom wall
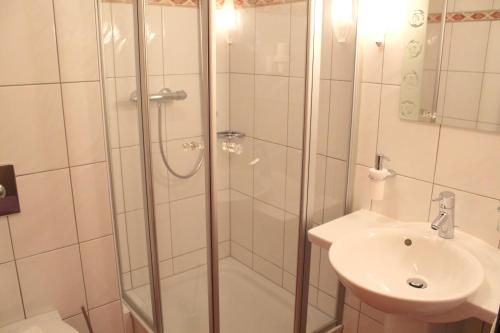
[[267, 68], [428, 158], [58, 253]]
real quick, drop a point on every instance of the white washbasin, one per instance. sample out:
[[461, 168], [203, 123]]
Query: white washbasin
[[378, 265]]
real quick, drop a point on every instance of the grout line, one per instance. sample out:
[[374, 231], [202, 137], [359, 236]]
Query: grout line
[[46, 83], [68, 154], [14, 260]]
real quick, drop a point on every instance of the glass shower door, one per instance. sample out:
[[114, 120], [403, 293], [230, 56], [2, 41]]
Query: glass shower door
[[177, 148]]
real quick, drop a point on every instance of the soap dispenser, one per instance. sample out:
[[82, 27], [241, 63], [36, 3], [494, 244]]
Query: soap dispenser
[[377, 176]]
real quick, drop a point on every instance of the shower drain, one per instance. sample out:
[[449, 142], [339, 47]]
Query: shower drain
[[417, 283]]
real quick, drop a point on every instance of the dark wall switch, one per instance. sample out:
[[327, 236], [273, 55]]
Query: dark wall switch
[[9, 200]]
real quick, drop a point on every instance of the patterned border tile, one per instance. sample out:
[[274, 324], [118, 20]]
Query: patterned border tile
[[195, 3], [489, 15]]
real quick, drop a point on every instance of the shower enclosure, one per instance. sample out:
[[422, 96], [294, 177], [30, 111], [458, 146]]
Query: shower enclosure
[[228, 137]]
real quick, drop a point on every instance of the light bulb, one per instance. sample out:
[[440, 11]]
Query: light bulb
[[226, 16], [342, 19]]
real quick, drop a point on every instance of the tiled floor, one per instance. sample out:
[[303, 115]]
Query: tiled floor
[[249, 303]]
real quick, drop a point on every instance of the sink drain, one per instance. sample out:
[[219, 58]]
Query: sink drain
[[417, 283]]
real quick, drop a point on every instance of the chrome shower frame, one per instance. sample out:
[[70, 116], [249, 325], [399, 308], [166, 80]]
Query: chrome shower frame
[[209, 127]]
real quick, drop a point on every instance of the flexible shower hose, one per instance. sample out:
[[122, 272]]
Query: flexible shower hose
[[198, 163]]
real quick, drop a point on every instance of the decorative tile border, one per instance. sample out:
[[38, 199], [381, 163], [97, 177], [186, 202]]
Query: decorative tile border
[[195, 3], [489, 15]]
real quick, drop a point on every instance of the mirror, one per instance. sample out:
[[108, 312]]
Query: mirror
[[451, 67]]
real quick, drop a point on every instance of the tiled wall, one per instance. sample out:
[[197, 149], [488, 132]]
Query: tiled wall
[[267, 66], [174, 62], [58, 253], [428, 158]]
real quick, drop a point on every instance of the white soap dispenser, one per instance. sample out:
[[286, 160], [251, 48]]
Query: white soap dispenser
[[377, 176]]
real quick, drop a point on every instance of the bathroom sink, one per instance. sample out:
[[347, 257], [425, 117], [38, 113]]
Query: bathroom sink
[[406, 270]]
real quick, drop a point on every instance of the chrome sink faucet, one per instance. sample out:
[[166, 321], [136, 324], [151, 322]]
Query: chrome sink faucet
[[445, 221]]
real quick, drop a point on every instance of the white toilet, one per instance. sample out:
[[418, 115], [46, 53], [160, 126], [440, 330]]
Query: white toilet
[[47, 323]]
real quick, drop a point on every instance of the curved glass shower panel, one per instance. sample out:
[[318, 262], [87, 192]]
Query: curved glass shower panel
[[126, 152], [178, 148]]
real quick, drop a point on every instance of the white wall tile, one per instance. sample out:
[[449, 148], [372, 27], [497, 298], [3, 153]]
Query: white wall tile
[[268, 232], [319, 189], [108, 318], [222, 101], [242, 168], [362, 198], [128, 115], [224, 215], [35, 118], [475, 215], [184, 57], [183, 162], [11, 310], [490, 99], [340, 119], [406, 199], [29, 53], [241, 254], [296, 112], [6, 253], [326, 42], [132, 178], [117, 181], [124, 42], [493, 54], [190, 260], [462, 96], [272, 34], [410, 146], [99, 271], [328, 281], [270, 173], [271, 108], [122, 242], [241, 219], [160, 174], [107, 40], [468, 46], [76, 40], [327, 303], [78, 323], [52, 281], [111, 113], [463, 166], [268, 270], [84, 122], [242, 49], [154, 26], [293, 180], [184, 117], [368, 123], [368, 325], [343, 57], [335, 189], [325, 116], [92, 204], [136, 232], [298, 33], [163, 232], [242, 100], [188, 224], [471, 5], [46, 222], [351, 320], [372, 61], [291, 242]]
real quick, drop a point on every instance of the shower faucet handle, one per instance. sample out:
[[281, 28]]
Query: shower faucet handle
[[193, 145]]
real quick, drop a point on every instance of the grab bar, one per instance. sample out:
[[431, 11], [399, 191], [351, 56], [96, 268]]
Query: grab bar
[[165, 95]]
